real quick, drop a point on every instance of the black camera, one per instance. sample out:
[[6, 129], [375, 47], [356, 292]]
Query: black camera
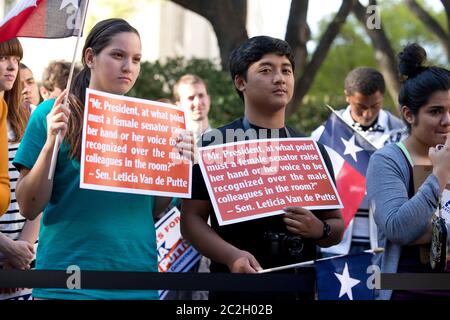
[[282, 244]]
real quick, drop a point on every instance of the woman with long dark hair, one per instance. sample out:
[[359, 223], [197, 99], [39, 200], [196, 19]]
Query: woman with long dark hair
[[93, 230]]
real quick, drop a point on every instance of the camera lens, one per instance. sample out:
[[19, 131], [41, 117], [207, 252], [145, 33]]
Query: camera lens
[[294, 245], [282, 244]]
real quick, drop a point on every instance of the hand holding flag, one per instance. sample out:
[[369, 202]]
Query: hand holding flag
[[47, 19], [57, 119]]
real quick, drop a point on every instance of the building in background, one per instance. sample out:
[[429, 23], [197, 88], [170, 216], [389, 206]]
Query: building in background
[[185, 33], [5, 6]]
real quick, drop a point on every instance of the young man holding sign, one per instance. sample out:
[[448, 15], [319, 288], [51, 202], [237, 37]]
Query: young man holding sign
[[262, 70]]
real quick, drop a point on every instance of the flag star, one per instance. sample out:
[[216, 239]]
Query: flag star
[[351, 148], [65, 3], [347, 283]]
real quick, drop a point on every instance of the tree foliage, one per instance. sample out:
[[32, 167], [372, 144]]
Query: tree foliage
[[352, 47], [228, 20]]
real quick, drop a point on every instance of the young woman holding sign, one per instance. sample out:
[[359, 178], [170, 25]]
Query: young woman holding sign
[[402, 215], [93, 230]]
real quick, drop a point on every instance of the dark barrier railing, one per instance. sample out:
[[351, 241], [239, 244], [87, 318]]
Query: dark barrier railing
[[301, 281]]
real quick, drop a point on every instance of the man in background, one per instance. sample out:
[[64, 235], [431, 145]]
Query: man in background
[[191, 94], [364, 92], [30, 90]]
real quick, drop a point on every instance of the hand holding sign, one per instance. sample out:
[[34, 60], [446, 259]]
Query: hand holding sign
[[302, 222], [185, 145]]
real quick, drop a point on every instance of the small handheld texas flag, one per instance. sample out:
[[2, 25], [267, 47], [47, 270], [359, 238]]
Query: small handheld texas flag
[[344, 277], [349, 153], [43, 19]]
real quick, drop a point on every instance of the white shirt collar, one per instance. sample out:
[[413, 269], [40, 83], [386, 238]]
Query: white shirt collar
[[380, 126]]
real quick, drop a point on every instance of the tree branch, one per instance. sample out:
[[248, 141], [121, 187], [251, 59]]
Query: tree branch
[[431, 24], [298, 33], [303, 84], [384, 54], [446, 4]]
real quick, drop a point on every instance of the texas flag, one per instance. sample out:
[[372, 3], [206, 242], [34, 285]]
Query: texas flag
[[345, 277], [349, 153], [43, 19]]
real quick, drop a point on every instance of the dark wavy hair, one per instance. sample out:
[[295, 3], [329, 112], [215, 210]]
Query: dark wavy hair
[[364, 80], [253, 50], [419, 81]]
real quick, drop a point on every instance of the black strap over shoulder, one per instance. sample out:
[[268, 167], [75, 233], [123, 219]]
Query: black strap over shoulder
[[411, 179]]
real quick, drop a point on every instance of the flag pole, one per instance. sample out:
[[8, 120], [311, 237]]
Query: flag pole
[[353, 129], [311, 262], [58, 141]]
